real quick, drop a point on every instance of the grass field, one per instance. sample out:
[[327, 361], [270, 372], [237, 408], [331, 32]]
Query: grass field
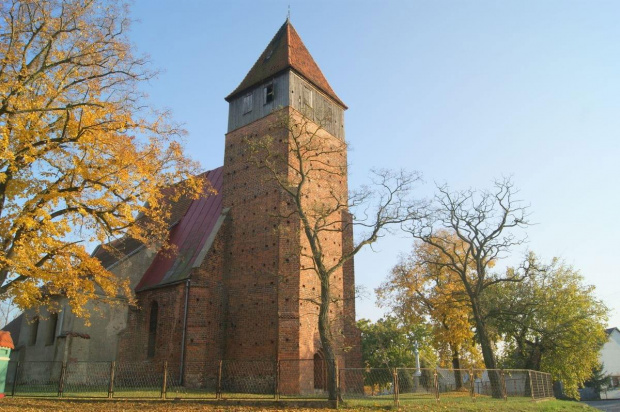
[[32, 405]]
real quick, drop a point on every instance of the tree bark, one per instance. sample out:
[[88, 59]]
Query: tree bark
[[487, 350], [456, 365], [326, 342]]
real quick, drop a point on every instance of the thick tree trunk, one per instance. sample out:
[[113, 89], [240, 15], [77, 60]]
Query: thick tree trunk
[[487, 351], [326, 342], [456, 365]]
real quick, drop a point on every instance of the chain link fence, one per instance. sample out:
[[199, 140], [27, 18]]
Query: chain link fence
[[86, 380], [410, 385], [248, 379], [192, 380], [377, 384], [302, 379], [268, 380], [34, 378]]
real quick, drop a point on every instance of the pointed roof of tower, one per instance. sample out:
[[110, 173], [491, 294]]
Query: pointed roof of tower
[[286, 50]]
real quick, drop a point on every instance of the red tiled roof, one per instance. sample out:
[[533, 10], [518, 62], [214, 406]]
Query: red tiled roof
[[286, 50], [189, 236], [5, 340]]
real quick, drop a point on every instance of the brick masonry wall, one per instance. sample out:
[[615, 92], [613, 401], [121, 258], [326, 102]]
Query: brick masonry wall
[[352, 335], [208, 303], [251, 297], [133, 342], [327, 187], [255, 261]]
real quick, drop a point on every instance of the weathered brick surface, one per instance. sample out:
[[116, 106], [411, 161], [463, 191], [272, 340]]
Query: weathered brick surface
[[133, 343], [252, 297]]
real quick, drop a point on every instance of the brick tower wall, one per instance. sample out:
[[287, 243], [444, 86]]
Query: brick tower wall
[[258, 252], [328, 182], [206, 314]]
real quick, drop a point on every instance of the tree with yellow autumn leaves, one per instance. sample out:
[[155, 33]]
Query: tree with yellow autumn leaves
[[82, 159], [421, 290], [543, 314], [466, 233]]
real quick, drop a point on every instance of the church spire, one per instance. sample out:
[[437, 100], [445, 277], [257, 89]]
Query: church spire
[[285, 51]]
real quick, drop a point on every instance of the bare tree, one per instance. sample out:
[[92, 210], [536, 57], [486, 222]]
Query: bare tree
[[8, 312], [309, 167], [481, 229]]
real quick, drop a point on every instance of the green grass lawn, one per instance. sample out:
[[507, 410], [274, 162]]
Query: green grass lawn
[[32, 405]]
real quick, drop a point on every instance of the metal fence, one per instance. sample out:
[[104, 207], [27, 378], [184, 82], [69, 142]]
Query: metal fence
[[409, 385], [267, 380]]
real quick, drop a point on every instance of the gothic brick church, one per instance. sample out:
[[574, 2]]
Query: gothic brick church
[[235, 287]]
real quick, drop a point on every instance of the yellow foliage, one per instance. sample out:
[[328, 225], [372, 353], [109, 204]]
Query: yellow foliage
[[422, 288], [81, 159]]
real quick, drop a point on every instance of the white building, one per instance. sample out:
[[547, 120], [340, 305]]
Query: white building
[[610, 356]]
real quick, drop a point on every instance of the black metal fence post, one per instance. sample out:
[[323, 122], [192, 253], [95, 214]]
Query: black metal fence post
[[529, 373], [15, 376], [111, 383], [337, 371], [436, 384], [472, 384], [218, 393], [61, 379], [395, 384], [164, 380], [277, 389]]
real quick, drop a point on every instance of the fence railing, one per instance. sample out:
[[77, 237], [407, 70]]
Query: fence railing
[[267, 380], [405, 385]]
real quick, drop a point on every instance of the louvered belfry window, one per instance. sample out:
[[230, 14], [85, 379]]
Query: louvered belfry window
[[247, 103]]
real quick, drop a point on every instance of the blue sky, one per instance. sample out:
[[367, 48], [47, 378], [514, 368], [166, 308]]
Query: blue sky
[[462, 91]]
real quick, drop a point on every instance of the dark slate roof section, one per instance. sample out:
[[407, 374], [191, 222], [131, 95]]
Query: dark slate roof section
[[116, 250], [608, 331], [286, 50], [189, 236], [14, 327]]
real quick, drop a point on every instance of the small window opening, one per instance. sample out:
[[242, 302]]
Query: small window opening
[[152, 330], [247, 103], [269, 94], [52, 324], [34, 329]]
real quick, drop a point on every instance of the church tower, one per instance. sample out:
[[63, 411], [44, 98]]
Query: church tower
[[269, 281]]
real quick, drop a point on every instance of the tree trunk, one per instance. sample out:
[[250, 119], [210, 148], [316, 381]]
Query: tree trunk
[[326, 342], [456, 365], [487, 351]]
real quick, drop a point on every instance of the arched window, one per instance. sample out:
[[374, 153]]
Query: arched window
[[152, 330], [320, 372]]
